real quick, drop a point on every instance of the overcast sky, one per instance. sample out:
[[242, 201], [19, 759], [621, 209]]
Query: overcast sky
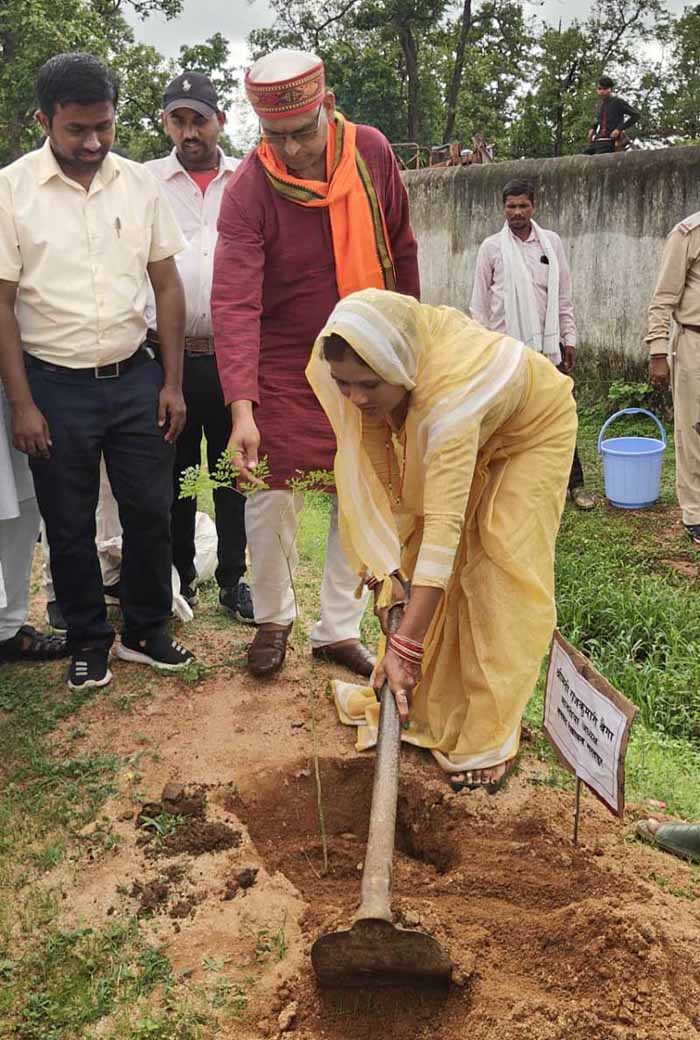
[[235, 19]]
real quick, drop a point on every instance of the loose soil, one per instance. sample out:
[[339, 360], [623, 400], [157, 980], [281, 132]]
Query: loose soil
[[549, 942]]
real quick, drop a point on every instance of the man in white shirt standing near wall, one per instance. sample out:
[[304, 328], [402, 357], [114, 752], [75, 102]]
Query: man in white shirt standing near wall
[[80, 228], [193, 177], [522, 287]]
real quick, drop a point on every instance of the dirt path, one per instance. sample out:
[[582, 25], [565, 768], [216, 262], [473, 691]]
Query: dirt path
[[549, 942]]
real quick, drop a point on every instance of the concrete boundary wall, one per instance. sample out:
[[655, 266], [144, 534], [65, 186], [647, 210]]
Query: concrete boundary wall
[[613, 213]]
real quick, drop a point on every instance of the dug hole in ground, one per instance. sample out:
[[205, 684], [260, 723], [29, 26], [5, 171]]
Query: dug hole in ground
[[548, 942]]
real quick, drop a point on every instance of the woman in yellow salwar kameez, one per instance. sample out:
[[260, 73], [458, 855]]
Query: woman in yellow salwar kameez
[[454, 449]]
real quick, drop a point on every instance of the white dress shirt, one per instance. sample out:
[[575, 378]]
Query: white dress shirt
[[80, 256], [488, 294], [197, 215]]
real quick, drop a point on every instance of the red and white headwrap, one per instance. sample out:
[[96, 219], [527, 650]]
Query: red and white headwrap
[[285, 83]]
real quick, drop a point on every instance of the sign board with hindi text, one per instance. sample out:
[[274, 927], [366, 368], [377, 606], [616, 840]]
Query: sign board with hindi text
[[588, 722]]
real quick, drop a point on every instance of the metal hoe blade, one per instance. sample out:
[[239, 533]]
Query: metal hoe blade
[[377, 953]]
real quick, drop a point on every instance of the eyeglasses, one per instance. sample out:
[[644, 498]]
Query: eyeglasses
[[295, 135]]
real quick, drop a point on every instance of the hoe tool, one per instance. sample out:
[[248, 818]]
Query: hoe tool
[[375, 951]]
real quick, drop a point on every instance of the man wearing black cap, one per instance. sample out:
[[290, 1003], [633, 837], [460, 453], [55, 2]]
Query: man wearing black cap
[[194, 176]]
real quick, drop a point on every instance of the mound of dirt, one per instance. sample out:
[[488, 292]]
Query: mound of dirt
[[548, 942], [177, 825]]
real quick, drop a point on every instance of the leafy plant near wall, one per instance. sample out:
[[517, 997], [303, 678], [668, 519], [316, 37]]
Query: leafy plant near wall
[[639, 395]]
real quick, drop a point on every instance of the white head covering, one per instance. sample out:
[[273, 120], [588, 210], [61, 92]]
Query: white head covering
[[453, 368], [282, 65]]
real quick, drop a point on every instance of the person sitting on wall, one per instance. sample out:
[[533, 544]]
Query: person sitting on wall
[[522, 288], [613, 118]]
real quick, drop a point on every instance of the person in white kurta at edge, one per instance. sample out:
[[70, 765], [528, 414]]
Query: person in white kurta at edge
[[194, 176], [522, 287], [19, 527]]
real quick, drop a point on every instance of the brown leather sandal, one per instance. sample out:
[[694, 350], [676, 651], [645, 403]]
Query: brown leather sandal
[[351, 654], [267, 652]]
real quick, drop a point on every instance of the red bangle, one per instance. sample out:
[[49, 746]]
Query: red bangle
[[412, 644], [405, 653]]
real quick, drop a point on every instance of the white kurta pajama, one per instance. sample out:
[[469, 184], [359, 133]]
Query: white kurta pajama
[[19, 528]]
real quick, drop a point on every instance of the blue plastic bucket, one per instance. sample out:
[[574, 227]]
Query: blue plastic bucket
[[632, 465]]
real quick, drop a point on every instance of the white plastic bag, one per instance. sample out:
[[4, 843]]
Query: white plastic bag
[[206, 547]]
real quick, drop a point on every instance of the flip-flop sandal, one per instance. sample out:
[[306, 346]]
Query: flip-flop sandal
[[464, 785], [680, 839], [498, 785], [490, 786], [29, 645]]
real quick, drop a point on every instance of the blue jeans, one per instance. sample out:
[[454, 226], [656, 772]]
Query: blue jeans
[[117, 417]]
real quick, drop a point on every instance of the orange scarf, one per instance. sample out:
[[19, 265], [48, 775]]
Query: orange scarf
[[361, 244]]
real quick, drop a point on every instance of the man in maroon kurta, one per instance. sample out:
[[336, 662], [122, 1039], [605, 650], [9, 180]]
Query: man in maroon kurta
[[274, 287]]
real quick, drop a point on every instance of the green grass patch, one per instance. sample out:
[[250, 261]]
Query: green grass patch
[[621, 603], [72, 980]]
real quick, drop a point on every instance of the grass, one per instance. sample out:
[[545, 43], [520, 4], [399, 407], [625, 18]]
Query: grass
[[620, 600], [72, 979]]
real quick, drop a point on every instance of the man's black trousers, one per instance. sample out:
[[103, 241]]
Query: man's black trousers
[[118, 418], [207, 415], [576, 479]]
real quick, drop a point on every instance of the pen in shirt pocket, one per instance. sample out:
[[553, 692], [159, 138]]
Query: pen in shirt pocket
[[118, 227]]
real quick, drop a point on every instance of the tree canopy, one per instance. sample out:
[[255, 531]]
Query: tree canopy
[[31, 31], [422, 71], [433, 71]]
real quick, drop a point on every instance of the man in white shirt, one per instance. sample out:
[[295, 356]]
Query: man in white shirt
[[80, 229], [193, 177], [522, 287]]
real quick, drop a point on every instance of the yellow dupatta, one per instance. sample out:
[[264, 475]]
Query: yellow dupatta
[[361, 245], [453, 368]]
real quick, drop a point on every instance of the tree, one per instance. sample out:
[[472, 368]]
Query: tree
[[499, 46], [557, 111], [392, 36], [433, 70], [673, 93], [31, 31]]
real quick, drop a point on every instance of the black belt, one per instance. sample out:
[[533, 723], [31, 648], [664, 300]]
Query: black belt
[[195, 346], [692, 328], [113, 371]]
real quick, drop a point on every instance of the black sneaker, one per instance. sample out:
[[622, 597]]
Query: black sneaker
[[55, 618], [112, 594], [239, 602], [693, 533], [159, 650], [89, 667]]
